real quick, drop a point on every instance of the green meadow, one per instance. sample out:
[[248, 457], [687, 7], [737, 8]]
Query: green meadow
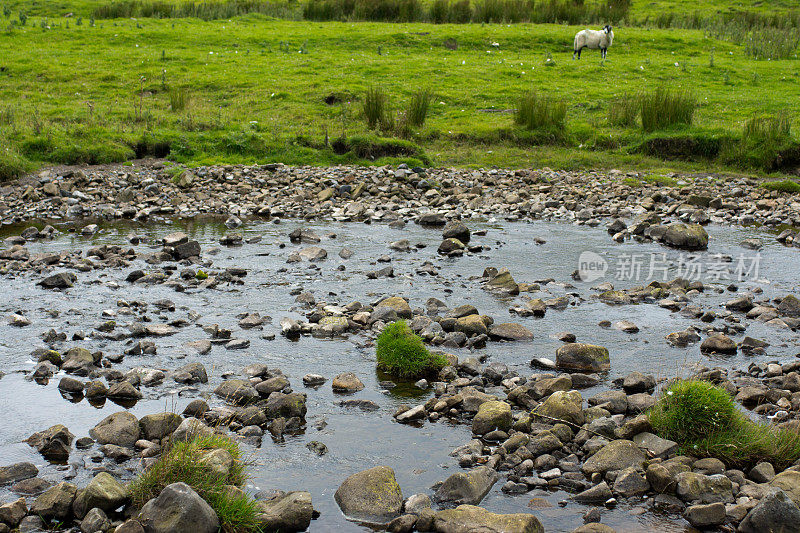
[[255, 89]]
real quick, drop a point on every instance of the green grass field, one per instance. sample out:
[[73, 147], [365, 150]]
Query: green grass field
[[254, 89]]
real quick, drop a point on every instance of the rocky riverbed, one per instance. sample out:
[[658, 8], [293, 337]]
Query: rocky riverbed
[[249, 299]]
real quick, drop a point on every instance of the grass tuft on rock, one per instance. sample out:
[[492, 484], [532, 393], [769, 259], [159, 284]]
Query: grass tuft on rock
[[690, 410], [183, 462], [703, 419], [401, 353]]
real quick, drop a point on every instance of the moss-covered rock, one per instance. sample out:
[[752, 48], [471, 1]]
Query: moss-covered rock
[[372, 495], [467, 487], [580, 357], [467, 518], [562, 405], [103, 492], [510, 331], [503, 282], [789, 482], [471, 325], [686, 236], [492, 415], [616, 455], [400, 306]]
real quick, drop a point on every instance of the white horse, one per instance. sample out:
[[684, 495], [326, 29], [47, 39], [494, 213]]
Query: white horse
[[593, 39]]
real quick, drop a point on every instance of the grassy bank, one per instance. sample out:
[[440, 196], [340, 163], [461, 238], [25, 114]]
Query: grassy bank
[[255, 89]]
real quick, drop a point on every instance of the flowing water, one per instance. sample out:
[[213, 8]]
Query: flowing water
[[357, 440]]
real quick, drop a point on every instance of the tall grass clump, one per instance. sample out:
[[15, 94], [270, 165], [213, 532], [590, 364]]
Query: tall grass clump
[[624, 111], [772, 43], [703, 419], [690, 410], [12, 165], [401, 353], [184, 462], [418, 107], [536, 112], [209, 10], [664, 108], [376, 107], [763, 140], [178, 99]]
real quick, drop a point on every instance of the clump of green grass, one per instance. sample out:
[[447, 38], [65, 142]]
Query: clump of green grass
[[664, 108], [218, 9], [624, 111], [12, 165], [772, 43], [418, 107], [704, 420], [690, 410], [789, 186], [764, 142], [182, 462], [536, 112], [178, 99], [376, 107], [401, 353]]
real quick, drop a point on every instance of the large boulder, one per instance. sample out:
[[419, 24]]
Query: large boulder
[[53, 443], [562, 405], [178, 509], [467, 487], [237, 391], [13, 513], [695, 487], [504, 283], [492, 415], [775, 513], [456, 230], [510, 331], [789, 482], [616, 455], [191, 428], [159, 425], [686, 236], [470, 519], [663, 476], [56, 502], [471, 325], [705, 515], [120, 428], [789, 306], [95, 520], [398, 304], [580, 357], [286, 512], [17, 472], [371, 495], [103, 492], [347, 382], [59, 280], [718, 343], [286, 405]]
